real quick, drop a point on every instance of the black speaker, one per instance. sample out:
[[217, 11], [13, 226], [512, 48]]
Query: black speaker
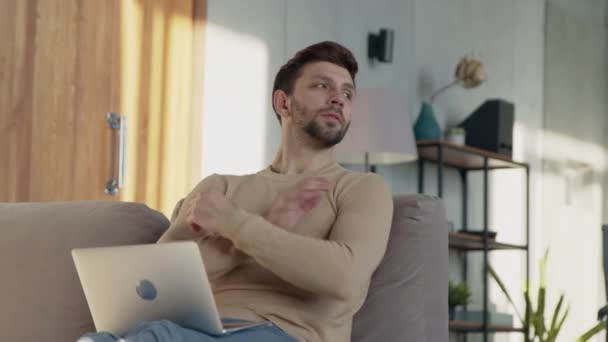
[[490, 127], [380, 46]]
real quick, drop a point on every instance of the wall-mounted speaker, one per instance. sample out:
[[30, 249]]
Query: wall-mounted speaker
[[380, 46]]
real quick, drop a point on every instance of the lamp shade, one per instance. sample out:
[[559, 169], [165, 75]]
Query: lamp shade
[[380, 126]]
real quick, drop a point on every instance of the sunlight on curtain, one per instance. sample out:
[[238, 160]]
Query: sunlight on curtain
[[156, 95]]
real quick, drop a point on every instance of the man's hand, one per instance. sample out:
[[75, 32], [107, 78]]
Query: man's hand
[[291, 205], [208, 212]]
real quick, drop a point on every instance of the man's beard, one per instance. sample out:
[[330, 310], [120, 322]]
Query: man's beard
[[324, 136]]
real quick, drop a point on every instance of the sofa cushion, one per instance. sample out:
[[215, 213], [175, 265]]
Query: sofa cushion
[[407, 299], [40, 293]]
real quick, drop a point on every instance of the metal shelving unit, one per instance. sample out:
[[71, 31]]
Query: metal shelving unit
[[466, 159]]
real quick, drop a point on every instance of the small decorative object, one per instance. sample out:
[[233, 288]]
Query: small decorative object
[[469, 74], [455, 135], [427, 127], [458, 294]]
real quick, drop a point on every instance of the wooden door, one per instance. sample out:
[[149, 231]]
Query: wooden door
[[56, 69], [64, 64]]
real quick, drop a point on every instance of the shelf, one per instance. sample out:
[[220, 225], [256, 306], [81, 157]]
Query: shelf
[[472, 242], [464, 157], [462, 326]]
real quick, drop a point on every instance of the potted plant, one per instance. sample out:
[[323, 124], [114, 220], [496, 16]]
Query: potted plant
[[458, 294], [542, 331]]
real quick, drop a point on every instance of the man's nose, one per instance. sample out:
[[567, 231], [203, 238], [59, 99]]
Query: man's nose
[[336, 99]]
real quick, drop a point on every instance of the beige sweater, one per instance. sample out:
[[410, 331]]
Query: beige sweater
[[309, 280]]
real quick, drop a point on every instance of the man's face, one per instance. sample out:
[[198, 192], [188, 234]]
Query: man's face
[[321, 102]]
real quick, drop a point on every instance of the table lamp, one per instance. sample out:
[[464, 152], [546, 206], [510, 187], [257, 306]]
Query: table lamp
[[380, 132]]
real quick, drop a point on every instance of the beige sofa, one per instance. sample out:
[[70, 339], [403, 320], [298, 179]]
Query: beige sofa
[[41, 298]]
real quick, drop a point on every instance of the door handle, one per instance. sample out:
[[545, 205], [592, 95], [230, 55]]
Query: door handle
[[118, 126]]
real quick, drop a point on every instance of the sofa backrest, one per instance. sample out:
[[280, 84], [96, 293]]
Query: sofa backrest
[[40, 293], [42, 300], [408, 296]]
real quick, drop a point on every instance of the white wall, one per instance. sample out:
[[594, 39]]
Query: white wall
[[574, 164], [246, 44]]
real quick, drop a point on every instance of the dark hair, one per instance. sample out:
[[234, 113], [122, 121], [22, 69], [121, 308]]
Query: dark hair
[[321, 52]]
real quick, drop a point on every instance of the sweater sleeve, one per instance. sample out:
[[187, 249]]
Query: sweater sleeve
[[340, 266], [218, 253]]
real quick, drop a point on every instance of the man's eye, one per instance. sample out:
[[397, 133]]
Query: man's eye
[[321, 85], [348, 96]]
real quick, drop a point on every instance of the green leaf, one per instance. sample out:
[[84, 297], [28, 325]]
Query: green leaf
[[504, 290], [542, 269], [592, 332], [533, 315], [556, 312], [540, 329], [555, 330], [540, 313], [561, 322], [528, 301], [529, 312]]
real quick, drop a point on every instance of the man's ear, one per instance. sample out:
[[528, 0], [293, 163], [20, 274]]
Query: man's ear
[[280, 103]]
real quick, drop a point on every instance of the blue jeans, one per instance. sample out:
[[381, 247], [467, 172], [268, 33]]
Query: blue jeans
[[167, 331]]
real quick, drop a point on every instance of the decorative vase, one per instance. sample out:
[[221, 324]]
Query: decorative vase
[[427, 127]]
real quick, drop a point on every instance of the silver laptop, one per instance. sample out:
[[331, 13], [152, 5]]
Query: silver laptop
[[127, 285]]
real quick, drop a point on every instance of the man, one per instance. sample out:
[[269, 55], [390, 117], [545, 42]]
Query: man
[[296, 243]]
